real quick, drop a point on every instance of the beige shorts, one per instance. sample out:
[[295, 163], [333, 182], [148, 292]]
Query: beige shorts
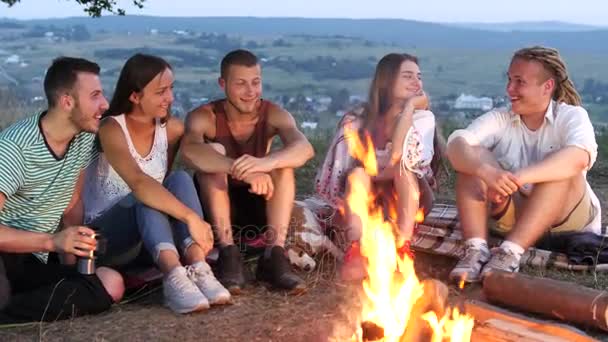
[[579, 217]]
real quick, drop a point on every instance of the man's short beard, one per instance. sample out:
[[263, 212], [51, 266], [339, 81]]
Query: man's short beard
[[77, 118]]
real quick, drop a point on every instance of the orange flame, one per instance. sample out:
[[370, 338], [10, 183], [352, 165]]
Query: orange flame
[[462, 282], [392, 287], [360, 151], [419, 215]]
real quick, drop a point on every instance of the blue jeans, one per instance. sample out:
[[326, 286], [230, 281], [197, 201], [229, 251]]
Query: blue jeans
[[130, 223]]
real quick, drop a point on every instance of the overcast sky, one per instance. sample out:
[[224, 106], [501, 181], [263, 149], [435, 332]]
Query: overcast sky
[[592, 12]]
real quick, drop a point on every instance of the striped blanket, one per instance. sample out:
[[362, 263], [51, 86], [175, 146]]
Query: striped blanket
[[440, 234]]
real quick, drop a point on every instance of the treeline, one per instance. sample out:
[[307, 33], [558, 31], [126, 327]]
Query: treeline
[[178, 58], [76, 33], [327, 67], [321, 67], [407, 33]]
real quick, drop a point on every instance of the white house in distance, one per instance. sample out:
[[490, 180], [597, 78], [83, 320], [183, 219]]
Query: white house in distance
[[309, 124], [465, 101], [12, 59]]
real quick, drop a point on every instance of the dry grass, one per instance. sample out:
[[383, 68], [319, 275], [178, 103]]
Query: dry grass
[[263, 315]]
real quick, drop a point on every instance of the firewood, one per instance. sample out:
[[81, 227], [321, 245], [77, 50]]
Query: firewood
[[434, 299], [489, 319], [557, 299]]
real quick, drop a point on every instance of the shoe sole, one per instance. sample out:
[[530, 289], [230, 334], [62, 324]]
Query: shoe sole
[[198, 308], [221, 301], [234, 290], [298, 290]]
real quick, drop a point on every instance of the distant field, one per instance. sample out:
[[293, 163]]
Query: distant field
[[446, 71]]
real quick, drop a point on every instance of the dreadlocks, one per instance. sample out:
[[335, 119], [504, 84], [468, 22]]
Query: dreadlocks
[[556, 68]]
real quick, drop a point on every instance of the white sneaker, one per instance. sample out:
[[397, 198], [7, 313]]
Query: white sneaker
[[181, 295], [200, 273]]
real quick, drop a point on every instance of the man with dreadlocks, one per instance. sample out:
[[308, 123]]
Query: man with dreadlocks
[[525, 167]]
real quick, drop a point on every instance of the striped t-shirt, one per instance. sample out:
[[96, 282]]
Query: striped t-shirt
[[38, 185]]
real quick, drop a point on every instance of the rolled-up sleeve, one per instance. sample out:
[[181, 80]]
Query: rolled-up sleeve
[[484, 130], [578, 131], [12, 168]]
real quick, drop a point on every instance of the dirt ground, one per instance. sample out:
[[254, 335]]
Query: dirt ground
[[256, 315], [260, 314], [324, 313]]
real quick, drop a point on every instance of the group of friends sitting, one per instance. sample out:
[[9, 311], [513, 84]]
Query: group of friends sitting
[[85, 168]]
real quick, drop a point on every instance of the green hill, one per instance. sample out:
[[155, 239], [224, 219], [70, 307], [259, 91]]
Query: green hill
[[402, 32]]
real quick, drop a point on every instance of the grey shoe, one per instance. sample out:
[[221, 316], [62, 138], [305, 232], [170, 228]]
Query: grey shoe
[[201, 275], [502, 260], [469, 267], [181, 294]]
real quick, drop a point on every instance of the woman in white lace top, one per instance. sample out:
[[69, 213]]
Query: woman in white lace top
[[403, 133], [131, 197]]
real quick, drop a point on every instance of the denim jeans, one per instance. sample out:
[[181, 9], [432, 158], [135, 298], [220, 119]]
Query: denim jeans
[[130, 223]]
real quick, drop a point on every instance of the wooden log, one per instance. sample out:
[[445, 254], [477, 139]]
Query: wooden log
[[557, 299], [497, 324], [434, 299]]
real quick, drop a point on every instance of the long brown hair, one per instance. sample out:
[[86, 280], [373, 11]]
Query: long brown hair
[[380, 94], [137, 72], [380, 91], [555, 67]]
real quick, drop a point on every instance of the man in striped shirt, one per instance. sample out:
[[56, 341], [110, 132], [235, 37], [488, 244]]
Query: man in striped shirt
[[41, 161]]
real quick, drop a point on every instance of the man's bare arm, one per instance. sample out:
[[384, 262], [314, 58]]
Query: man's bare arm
[[195, 152], [296, 150], [69, 240], [466, 159], [20, 241], [563, 164], [463, 157]]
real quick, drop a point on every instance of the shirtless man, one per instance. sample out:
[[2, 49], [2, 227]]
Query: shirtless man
[[246, 188]]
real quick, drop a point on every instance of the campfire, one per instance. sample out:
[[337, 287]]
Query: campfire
[[396, 305]]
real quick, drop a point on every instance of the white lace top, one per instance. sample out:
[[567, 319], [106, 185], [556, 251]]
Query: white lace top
[[103, 187]]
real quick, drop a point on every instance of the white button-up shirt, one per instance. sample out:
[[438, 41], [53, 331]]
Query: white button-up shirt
[[516, 147]]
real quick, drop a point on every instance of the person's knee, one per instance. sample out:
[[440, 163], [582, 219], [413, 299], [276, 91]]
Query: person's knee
[[112, 282], [181, 177], [178, 181], [472, 185], [283, 176]]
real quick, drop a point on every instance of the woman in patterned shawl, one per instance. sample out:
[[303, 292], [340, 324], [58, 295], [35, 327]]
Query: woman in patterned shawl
[[403, 134]]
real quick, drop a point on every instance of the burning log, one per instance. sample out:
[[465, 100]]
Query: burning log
[[558, 299], [371, 332], [434, 299], [393, 299]]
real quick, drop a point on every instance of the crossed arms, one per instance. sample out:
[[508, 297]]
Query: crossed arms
[[202, 157]]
